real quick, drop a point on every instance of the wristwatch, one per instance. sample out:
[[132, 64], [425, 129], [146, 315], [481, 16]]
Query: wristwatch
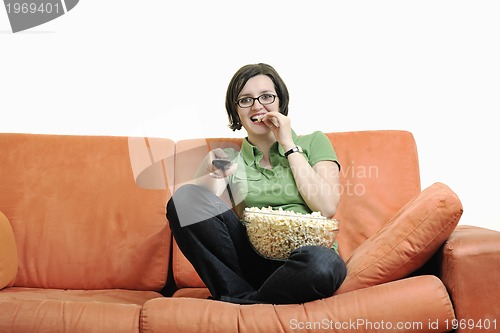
[[296, 149]]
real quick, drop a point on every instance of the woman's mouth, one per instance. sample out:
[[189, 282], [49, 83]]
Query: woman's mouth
[[257, 118]]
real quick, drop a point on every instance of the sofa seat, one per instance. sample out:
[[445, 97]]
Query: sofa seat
[[402, 306], [201, 292], [55, 310]]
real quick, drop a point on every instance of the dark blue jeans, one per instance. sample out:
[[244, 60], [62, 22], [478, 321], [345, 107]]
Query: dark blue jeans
[[214, 240]]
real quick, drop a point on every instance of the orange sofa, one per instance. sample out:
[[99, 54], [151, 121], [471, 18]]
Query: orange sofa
[[85, 244]]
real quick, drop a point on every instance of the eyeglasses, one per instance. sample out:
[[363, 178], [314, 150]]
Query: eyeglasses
[[263, 99]]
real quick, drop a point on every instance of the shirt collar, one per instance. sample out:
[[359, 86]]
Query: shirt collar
[[249, 151]]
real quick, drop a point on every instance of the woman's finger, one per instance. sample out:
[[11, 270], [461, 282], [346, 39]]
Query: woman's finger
[[218, 153], [271, 121], [275, 121]]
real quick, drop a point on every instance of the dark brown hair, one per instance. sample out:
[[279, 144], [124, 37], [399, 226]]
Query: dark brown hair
[[239, 80]]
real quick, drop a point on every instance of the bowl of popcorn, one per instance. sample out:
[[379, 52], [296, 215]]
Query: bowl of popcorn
[[274, 234]]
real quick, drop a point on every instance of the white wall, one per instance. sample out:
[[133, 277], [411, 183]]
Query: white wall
[[161, 68]]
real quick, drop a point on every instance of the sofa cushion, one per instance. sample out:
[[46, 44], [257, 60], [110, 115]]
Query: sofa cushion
[[379, 175], [407, 241], [8, 253], [184, 273], [415, 301], [49, 310], [79, 217]]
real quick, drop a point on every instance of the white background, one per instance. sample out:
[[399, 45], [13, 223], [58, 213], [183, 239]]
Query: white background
[[161, 68]]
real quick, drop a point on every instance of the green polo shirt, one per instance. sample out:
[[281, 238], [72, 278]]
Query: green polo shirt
[[254, 186]]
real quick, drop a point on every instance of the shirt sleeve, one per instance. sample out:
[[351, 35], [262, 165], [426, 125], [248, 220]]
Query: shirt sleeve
[[320, 149]]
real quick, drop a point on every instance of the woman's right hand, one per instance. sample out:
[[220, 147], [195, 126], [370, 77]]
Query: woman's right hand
[[211, 177], [218, 165]]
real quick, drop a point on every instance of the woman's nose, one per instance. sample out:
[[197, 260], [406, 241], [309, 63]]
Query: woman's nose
[[256, 105]]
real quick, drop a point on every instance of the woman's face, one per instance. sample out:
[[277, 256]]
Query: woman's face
[[257, 86]]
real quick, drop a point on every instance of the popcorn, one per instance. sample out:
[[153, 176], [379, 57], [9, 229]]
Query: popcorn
[[276, 233]]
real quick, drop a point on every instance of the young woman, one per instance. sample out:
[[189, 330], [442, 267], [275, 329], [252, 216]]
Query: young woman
[[274, 167]]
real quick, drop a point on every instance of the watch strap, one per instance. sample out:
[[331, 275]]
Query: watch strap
[[296, 149]]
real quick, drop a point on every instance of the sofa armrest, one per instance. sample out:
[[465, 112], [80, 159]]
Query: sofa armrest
[[8, 253], [470, 269]]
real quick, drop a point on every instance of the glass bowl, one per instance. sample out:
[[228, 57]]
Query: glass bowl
[[274, 234]]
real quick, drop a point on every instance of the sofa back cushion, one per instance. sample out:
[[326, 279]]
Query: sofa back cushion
[[379, 175], [79, 219]]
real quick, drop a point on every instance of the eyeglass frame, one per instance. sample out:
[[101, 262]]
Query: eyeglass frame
[[255, 99]]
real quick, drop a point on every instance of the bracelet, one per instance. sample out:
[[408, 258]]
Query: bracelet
[[296, 149]]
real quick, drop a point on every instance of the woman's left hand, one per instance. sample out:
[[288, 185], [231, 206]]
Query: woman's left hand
[[280, 126]]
